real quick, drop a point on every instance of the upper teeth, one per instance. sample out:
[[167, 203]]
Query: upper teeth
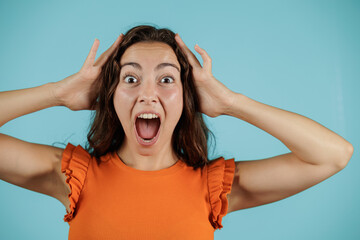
[[148, 115]]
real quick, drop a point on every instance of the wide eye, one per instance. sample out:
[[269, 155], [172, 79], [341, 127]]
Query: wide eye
[[167, 80], [130, 79]]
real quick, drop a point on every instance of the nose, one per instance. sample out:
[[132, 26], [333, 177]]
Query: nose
[[147, 92]]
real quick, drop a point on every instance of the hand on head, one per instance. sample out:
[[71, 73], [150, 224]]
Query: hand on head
[[215, 97], [79, 90]]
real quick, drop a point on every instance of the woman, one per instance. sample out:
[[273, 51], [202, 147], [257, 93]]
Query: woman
[[145, 174]]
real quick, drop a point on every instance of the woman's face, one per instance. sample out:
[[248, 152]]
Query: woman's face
[[149, 83]]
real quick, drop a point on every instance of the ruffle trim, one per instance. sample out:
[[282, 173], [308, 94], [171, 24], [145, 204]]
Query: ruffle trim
[[74, 163], [220, 177]]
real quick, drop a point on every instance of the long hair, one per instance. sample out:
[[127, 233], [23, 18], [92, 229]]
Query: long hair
[[190, 136]]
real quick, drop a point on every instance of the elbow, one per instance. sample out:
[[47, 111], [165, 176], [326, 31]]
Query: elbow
[[346, 156]]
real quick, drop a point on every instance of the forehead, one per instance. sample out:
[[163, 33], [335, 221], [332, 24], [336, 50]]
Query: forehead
[[149, 51]]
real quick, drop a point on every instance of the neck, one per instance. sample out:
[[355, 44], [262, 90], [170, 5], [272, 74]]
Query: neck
[[147, 159]]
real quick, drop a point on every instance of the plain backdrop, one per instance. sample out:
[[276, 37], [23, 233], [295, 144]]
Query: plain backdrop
[[301, 56]]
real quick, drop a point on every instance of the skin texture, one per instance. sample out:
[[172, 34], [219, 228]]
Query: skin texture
[[149, 89]]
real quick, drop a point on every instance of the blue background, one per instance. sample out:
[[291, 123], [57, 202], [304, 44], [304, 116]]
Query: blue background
[[301, 56]]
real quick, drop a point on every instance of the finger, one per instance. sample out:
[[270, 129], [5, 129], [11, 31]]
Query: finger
[[89, 61], [206, 58], [189, 54], [103, 57]]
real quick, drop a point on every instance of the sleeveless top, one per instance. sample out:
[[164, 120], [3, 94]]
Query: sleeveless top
[[114, 201]]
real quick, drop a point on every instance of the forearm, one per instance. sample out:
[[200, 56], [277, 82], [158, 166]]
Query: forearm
[[17, 103], [307, 139]]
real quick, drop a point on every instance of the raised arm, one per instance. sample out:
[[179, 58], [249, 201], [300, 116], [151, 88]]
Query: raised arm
[[316, 152], [37, 167], [25, 164]]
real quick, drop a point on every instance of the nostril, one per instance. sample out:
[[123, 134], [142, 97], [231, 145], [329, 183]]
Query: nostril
[[148, 101]]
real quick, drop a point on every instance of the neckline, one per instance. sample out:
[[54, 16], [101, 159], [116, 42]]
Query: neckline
[[165, 171]]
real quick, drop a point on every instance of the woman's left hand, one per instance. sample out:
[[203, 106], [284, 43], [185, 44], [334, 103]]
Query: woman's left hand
[[215, 97]]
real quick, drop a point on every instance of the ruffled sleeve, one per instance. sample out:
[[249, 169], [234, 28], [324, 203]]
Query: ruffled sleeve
[[220, 174], [74, 163]]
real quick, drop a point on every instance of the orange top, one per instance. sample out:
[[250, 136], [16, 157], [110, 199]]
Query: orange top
[[115, 201]]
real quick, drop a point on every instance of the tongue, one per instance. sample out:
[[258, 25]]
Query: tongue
[[147, 128]]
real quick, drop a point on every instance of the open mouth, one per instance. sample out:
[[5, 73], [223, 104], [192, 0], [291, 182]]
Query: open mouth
[[147, 130]]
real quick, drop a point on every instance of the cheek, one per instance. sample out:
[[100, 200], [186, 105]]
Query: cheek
[[174, 100], [124, 95], [123, 98], [172, 94]]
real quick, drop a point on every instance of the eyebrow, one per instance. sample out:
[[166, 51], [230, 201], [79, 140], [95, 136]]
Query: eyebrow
[[158, 67]]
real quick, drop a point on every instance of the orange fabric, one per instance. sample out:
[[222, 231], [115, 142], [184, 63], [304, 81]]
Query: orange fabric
[[114, 201]]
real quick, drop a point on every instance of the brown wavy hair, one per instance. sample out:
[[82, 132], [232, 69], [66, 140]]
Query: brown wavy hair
[[190, 136]]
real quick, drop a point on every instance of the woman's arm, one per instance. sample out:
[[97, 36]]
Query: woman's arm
[[75, 92], [307, 139], [16, 103], [25, 164], [316, 152], [37, 167]]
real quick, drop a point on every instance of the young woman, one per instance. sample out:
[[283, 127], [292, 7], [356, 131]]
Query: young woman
[[145, 173]]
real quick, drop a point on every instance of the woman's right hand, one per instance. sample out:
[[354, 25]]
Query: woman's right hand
[[79, 90]]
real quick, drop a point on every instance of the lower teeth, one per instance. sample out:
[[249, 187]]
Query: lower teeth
[[147, 140]]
